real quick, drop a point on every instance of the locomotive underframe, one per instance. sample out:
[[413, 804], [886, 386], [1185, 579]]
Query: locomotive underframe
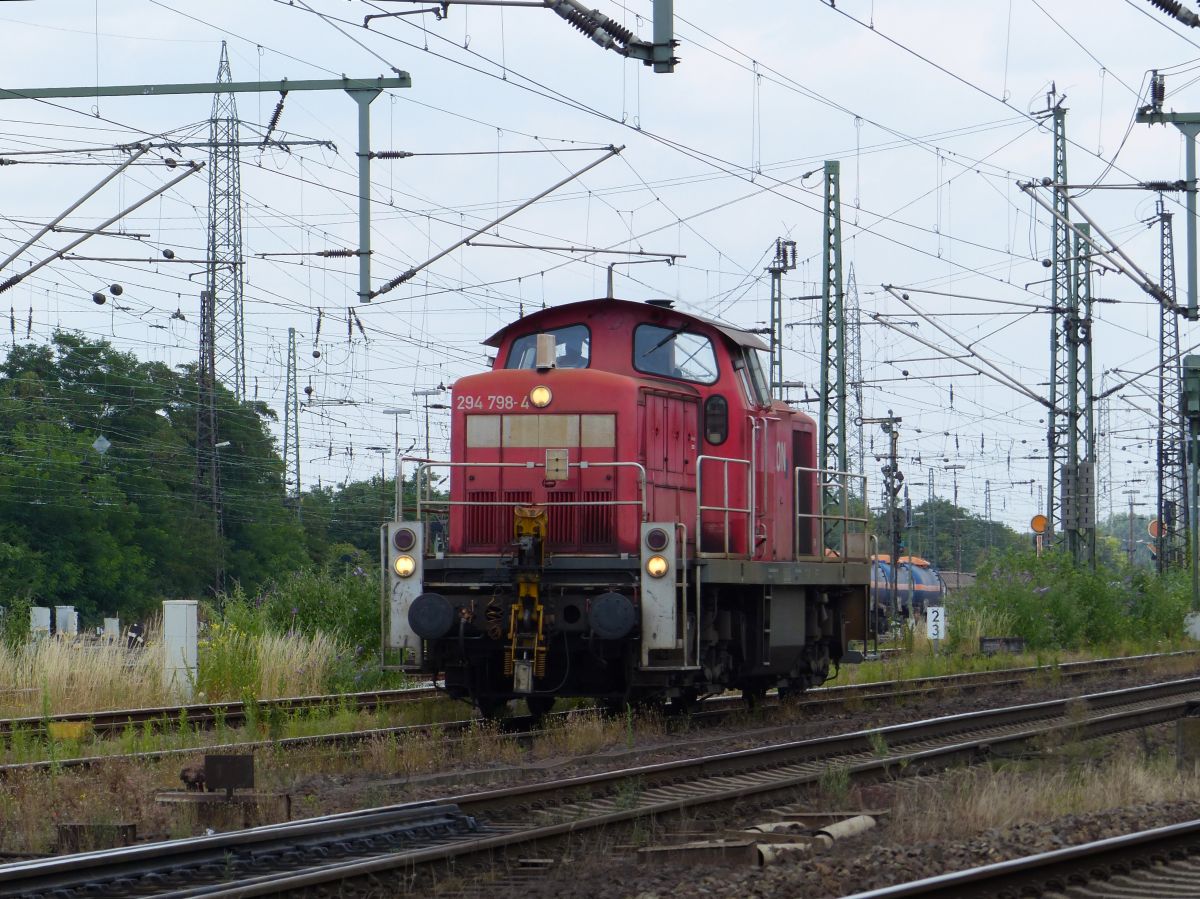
[[761, 625]]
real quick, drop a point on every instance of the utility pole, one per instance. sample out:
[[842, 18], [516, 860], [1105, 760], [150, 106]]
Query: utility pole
[[1079, 479], [785, 261], [858, 443], [893, 483], [425, 393], [1104, 444], [1131, 545], [831, 434], [225, 268], [933, 557], [1171, 540], [396, 413], [957, 531], [987, 512], [208, 471], [291, 429], [1189, 124]]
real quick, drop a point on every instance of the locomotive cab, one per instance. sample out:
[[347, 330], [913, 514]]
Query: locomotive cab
[[629, 515]]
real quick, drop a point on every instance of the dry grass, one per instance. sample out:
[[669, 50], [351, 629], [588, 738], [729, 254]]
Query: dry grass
[[293, 665], [52, 676], [75, 677], [979, 799]]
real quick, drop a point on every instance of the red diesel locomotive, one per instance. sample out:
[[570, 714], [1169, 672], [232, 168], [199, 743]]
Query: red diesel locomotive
[[630, 516]]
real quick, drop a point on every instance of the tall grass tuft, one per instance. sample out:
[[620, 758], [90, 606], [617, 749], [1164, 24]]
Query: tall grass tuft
[[76, 677]]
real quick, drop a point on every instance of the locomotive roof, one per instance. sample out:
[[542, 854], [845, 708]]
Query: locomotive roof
[[738, 336]]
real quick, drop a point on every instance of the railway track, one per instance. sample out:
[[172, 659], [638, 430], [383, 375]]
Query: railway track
[[716, 708], [338, 852], [235, 713], [1161, 862], [207, 715]]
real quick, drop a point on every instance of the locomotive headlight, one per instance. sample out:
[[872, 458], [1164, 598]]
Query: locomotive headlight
[[657, 566], [657, 539], [404, 566], [540, 396]]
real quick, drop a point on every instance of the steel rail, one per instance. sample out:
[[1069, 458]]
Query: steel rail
[[203, 714], [1133, 864], [591, 801], [234, 712], [523, 726]]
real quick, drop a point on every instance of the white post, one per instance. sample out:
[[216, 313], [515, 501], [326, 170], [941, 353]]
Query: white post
[[179, 646]]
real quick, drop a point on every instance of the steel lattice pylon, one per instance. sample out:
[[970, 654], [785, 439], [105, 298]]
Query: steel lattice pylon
[[1172, 541], [858, 443], [291, 430], [833, 450], [1079, 482], [831, 428], [1057, 433], [225, 238]]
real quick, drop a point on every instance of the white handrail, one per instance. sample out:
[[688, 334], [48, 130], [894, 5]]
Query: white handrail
[[726, 509]]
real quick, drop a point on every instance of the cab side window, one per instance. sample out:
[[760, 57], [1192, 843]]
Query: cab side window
[[572, 348], [674, 353], [753, 380]]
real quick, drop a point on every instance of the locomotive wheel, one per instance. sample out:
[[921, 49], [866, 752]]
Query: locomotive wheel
[[754, 695], [684, 703], [614, 707], [491, 708], [539, 706]]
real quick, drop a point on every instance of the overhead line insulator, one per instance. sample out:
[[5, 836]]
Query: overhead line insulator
[[1177, 9]]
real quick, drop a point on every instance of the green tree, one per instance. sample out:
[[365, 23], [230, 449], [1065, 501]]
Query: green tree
[[114, 525]]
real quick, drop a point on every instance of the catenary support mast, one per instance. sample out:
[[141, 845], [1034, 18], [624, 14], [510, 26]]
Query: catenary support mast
[[785, 261], [1171, 542], [1058, 443]]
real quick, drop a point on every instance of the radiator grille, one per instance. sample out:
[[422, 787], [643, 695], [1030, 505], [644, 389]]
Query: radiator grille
[[570, 527], [562, 521], [597, 525], [483, 522]]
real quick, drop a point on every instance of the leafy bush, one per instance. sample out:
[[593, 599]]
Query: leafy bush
[[14, 623], [1052, 603], [228, 661], [341, 600], [331, 615]]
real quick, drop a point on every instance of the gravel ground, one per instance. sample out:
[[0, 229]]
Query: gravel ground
[[856, 865], [327, 793]]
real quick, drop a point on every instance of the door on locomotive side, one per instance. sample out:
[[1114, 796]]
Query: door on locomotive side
[[670, 428]]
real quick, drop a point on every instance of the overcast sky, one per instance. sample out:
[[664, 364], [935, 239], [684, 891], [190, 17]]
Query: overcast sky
[[930, 107]]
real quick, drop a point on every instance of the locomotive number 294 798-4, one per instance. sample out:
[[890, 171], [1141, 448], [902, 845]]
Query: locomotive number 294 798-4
[[497, 401]]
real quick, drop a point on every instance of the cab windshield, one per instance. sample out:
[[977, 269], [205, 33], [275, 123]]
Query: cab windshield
[[572, 348]]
